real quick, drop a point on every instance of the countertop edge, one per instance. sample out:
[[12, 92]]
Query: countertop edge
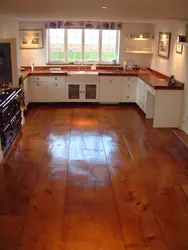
[[178, 86]]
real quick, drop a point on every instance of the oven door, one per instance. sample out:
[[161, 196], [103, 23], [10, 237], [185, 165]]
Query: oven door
[[15, 125], [6, 138]]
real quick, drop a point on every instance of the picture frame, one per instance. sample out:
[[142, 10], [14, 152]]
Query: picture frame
[[31, 39], [179, 48], [164, 44]]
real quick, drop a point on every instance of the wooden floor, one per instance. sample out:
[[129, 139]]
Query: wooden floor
[[93, 178]]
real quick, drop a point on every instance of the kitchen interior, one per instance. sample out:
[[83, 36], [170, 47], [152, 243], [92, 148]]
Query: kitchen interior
[[94, 126]]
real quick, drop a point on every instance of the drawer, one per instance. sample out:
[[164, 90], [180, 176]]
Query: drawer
[[128, 97], [129, 86], [130, 78], [46, 78]]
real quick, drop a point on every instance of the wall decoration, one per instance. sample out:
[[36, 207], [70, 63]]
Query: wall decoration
[[31, 39], [164, 44], [179, 48], [82, 25]]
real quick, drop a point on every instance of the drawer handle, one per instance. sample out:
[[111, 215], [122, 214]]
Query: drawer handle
[[37, 84], [128, 97], [110, 81], [128, 85], [55, 78], [37, 78], [56, 84]]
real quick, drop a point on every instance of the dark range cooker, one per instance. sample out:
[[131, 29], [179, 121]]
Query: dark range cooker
[[10, 116]]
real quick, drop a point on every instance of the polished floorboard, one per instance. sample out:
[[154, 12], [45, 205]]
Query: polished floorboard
[[93, 178]]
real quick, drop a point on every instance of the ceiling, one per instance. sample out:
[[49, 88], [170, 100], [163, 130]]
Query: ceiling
[[117, 10]]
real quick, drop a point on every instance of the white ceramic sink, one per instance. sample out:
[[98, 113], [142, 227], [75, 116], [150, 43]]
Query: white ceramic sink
[[79, 72]]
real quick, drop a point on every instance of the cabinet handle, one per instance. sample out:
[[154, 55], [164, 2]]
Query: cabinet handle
[[80, 92], [55, 78], [37, 84], [128, 97], [110, 81], [37, 78], [56, 84], [128, 86]]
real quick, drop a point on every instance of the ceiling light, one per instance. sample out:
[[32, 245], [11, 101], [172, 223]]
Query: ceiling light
[[104, 7]]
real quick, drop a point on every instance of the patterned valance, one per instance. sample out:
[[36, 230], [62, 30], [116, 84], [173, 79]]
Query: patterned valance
[[82, 25]]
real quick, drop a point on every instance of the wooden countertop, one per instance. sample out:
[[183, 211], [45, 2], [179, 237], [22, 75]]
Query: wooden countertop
[[152, 78]]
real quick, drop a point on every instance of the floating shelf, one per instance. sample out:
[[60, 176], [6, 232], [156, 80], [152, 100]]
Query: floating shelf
[[140, 39], [182, 43], [139, 52]]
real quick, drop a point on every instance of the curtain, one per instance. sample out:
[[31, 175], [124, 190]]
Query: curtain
[[82, 25]]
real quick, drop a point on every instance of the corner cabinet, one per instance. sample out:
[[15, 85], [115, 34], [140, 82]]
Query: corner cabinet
[[82, 88], [110, 89], [129, 86]]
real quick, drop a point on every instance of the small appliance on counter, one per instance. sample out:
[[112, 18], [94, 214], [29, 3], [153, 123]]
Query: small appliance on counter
[[171, 80]]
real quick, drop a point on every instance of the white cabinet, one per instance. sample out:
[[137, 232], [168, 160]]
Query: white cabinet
[[129, 85], [56, 92], [26, 91], [47, 89], [36, 91], [141, 94], [110, 89], [82, 88]]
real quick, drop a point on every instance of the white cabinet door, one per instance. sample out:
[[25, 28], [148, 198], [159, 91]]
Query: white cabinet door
[[26, 91], [73, 92], [110, 89], [141, 95], [56, 92], [129, 87], [38, 91], [90, 92]]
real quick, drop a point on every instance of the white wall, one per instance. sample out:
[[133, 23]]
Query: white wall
[[9, 28], [176, 64], [135, 29], [38, 56]]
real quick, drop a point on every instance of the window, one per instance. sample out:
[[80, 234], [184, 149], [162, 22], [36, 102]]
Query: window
[[74, 41], [110, 45], [56, 52], [91, 46], [88, 45]]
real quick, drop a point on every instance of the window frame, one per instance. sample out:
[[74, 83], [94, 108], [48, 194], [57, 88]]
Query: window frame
[[65, 61]]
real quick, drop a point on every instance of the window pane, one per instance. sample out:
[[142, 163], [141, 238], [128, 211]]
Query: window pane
[[56, 44], [91, 45], [109, 39], [74, 37]]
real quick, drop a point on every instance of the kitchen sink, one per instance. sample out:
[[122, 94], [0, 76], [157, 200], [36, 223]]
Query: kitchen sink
[[80, 72]]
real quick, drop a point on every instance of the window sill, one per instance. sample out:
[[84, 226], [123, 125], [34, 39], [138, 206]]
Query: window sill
[[87, 64]]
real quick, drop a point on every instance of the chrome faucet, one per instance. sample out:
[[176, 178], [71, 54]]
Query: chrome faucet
[[81, 65]]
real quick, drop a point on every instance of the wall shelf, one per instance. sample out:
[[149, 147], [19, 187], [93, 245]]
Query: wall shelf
[[140, 39], [139, 52]]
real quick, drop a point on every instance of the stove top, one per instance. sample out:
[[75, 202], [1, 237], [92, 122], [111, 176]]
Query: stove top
[[6, 94]]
